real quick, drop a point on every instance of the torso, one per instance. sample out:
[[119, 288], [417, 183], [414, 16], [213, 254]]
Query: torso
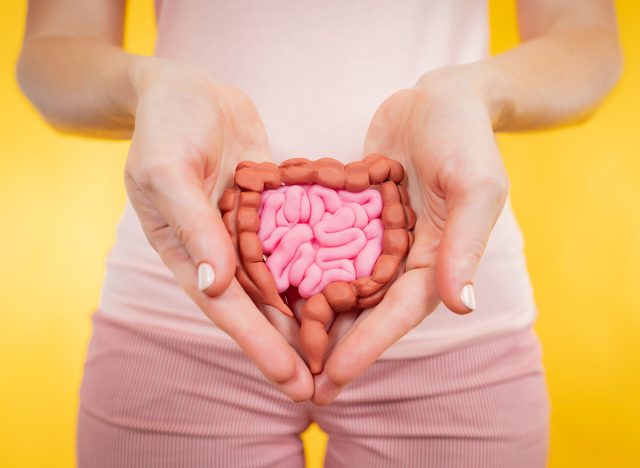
[[316, 72]]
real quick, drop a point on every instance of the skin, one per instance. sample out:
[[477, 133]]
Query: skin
[[187, 135], [442, 130], [190, 132]]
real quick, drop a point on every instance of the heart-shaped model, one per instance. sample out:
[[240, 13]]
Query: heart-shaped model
[[339, 234]]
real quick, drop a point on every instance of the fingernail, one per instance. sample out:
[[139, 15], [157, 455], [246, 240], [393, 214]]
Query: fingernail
[[468, 297], [206, 276]]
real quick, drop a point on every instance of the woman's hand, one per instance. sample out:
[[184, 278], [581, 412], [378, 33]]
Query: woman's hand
[[441, 130], [189, 135]]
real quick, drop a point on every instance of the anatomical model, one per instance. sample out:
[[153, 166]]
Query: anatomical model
[[339, 234]]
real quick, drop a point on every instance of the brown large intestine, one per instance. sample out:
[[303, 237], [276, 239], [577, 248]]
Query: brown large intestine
[[240, 207]]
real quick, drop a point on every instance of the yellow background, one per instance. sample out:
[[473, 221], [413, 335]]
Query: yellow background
[[576, 193]]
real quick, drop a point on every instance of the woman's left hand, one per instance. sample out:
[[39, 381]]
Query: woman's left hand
[[441, 130]]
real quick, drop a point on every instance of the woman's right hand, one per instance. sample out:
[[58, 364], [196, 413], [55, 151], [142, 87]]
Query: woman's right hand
[[189, 135]]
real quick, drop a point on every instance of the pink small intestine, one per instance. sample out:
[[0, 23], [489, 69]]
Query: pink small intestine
[[313, 235]]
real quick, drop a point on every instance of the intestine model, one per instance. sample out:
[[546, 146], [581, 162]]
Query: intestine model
[[338, 234]]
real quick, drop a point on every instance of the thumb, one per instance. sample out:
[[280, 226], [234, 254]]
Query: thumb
[[179, 195], [472, 213]]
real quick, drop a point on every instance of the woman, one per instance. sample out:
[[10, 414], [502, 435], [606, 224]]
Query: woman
[[409, 383]]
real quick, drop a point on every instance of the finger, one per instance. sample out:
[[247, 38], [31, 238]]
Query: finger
[[235, 313], [179, 196], [377, 331], [341, 326], [326, 391], [472, 213], [295, 302], [286, 325]]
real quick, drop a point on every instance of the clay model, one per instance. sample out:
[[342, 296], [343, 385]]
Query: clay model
[[338, 234]]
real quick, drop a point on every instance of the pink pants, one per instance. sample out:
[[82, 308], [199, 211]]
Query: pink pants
[[152, 397]]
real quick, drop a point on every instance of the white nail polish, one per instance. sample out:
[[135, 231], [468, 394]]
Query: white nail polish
[[468, 297], [206, 276]]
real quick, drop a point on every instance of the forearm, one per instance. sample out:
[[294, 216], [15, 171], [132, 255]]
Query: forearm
[[556, 78], [81, 84]]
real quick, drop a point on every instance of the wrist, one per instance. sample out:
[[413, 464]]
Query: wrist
[[155, 75], [480, 81], [143, 70]]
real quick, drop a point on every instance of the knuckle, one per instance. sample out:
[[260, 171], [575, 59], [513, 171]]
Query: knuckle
[[494, 185], [159, 238], [236, 95], [474, 250], [338, 371], [186, 233], [130, 180], [283, 375]]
